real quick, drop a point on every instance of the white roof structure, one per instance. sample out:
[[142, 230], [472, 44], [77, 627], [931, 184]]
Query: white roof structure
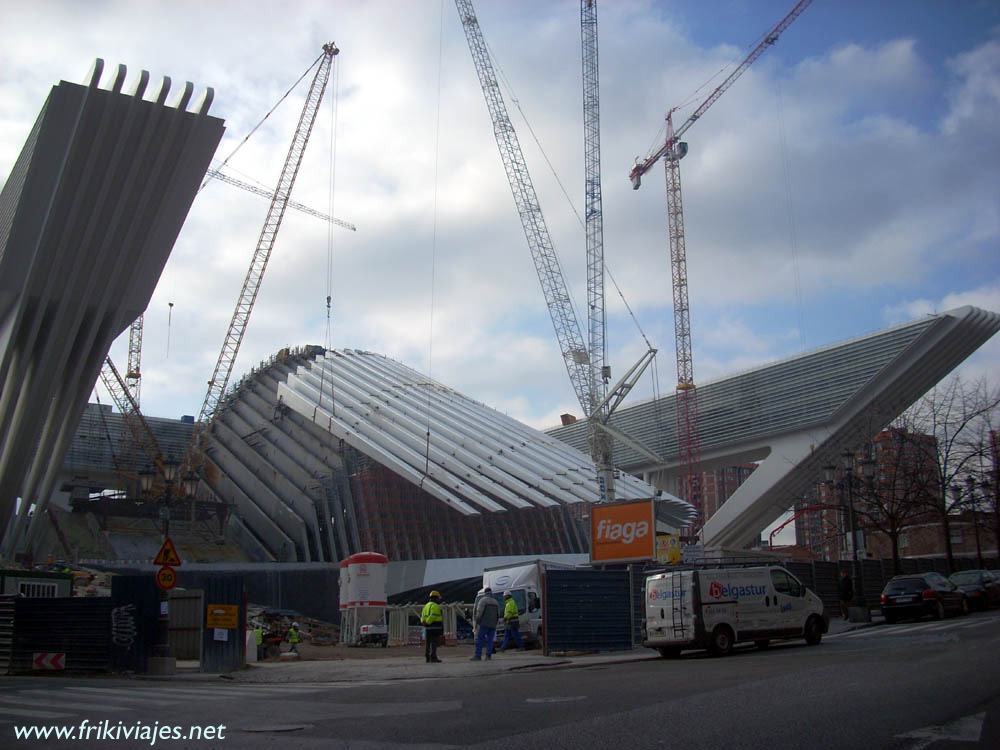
[[467, 455], [794, 416], [88, 217]]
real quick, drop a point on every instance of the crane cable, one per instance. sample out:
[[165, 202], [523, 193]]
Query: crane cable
[[562, 188], [434, 217], [264, 118], [328, 335]]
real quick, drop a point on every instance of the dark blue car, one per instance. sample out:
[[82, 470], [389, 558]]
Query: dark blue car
[[920, 594], [982, 587]]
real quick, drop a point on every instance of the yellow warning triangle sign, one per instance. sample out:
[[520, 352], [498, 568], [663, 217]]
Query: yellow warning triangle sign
[[167, 554]]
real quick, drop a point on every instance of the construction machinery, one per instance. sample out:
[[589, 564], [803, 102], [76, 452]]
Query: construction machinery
[[262, 253], [672, 151], [119, 386], [585, 364]]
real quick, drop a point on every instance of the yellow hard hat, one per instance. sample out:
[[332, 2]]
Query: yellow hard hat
[[435, 595]]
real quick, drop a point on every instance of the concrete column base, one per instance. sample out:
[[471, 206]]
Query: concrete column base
[[161, 665]]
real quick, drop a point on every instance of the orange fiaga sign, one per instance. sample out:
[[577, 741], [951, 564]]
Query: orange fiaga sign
[[622, 532]]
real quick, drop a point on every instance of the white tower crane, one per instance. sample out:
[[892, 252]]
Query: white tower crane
[[585, 366], [262, 253]]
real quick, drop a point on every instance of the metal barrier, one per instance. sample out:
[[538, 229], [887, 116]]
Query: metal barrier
[[587, 610], [78, 628]]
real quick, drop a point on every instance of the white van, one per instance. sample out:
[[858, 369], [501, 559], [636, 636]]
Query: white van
[[715, 608]]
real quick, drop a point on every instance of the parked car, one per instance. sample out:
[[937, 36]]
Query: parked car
[[982, 587], [920, 594]]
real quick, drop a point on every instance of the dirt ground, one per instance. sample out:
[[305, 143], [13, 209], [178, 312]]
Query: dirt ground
[[311, 652]]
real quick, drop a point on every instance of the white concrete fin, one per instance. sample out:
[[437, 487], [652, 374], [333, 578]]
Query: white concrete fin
[[95, 73], [119, 79]]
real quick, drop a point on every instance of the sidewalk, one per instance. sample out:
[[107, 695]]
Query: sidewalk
[[455, 663]]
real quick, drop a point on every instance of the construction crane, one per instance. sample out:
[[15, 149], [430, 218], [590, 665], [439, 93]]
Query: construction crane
[[672, 151], [262, 253], [588, 380], [125, 391], [229, 180], [142, 435], [601, 443], [133, 372]]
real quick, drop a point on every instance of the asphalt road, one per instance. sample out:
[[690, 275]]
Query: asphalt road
[[907, 687]]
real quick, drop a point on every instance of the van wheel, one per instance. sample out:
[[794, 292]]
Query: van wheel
[[669, 652], [722, 641], [762, 644], [814, 631]]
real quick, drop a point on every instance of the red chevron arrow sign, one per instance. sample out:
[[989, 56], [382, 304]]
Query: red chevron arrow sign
[[49, 661]]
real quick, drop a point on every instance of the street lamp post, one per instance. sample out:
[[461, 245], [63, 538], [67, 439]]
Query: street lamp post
[[188, 486], [970, 487], [868, 467], [991, 486]]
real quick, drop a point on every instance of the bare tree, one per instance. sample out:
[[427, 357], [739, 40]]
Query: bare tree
[[892, 499], [987, 477], [957, 415]]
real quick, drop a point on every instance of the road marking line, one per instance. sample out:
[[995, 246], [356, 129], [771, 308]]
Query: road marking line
[[26, 701], [966, 729], [31, 713], [114, 694]]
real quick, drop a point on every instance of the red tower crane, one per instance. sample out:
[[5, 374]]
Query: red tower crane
[[672, 151]]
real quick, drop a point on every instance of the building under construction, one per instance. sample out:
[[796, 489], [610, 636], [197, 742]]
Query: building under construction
[[316, 455]]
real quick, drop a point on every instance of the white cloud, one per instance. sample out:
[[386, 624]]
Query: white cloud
[[881, 199]]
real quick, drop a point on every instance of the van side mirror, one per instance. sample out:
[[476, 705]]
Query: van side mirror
[[533, 603]]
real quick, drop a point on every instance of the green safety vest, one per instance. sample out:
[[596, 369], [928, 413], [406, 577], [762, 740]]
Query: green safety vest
[[431, 614], [260, 636], [293, 635]]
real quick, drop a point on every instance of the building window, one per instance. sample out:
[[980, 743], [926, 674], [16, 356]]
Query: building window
[[956, 536], [45, 590]]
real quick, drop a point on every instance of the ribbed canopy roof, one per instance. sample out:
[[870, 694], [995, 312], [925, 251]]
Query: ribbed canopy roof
[[462, 452]]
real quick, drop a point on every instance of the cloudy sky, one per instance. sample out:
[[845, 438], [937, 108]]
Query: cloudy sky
[[847, 182]]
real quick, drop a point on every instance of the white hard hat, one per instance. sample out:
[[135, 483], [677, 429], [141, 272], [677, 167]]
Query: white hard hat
[[506, 594], [295, 624]]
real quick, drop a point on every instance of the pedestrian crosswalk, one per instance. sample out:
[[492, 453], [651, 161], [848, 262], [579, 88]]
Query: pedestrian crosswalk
[[29, 704], [915, 628]]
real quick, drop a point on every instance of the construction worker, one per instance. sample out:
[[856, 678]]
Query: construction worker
[[433, 622], [258, 633], [294, 638], [486, 614], [512, 623]]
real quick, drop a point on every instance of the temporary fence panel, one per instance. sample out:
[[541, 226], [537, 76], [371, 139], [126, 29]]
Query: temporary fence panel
[[186, 618], [136, 610], [587, 610], [66, 632], [223, 641], [6, 633]]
